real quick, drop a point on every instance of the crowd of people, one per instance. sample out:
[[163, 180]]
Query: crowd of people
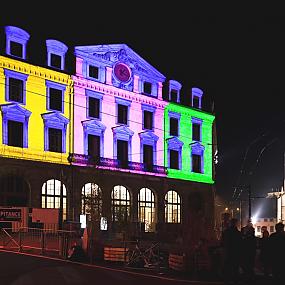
[[240, 248]]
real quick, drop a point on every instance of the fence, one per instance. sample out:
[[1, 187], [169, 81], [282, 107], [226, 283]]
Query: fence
[[43, 241]]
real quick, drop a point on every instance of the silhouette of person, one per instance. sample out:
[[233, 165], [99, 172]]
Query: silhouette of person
[[264, 255], [231, 242], [277, 249], [248, 249], [77, 253]]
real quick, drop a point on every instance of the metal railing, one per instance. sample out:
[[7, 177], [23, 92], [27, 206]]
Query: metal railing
[[42, 241]]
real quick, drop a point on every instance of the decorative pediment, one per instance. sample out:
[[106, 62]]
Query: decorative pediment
[[148, 135], [55, 119], [197, 147], [109, 54], [15, 110], [123, 130], [94, 126], [174, 143]]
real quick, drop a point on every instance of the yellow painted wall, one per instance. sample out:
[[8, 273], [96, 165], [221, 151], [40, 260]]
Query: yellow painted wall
[[36, 96]]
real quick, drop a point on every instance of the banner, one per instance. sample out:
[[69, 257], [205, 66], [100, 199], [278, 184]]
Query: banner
[[8, 214]]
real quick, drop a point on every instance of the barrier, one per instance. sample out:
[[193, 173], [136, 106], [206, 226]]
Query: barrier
[[115, 253], [42, 241], [177, 262]]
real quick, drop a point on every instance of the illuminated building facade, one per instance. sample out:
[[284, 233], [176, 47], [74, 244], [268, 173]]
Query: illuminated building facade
[[120, 136], [36, 121]]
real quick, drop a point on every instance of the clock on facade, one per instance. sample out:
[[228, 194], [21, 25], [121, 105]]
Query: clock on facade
[[122, 72]]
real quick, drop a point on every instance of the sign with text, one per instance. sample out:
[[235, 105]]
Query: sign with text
[[8, 214]]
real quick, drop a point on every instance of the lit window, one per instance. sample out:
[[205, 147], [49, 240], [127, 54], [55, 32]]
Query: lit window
[[51, 195], [121, 204], [146, 210], [92, 201], [172, 207]]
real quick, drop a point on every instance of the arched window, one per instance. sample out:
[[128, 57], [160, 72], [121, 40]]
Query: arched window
[[172, 207], [146, 209], [51, 195], [121, 204], [92, 201]]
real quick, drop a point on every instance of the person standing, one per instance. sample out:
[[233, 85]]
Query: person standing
[[248, 250], [231, 243], [264, 255], [277, 250]]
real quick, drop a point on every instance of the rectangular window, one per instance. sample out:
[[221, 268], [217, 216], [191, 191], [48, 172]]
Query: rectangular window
[[122, 114], [16, 90], [55, 140], [93, 107], [16, 49], [173, 127], [271, 229], [93, 71], [148, 157], [15, 133], [196, 132], [174, 159], [122, 153], [55, 99], [147, 120], [94, 145], [55, 60], [147, 87], [196, 163], [173, 96]]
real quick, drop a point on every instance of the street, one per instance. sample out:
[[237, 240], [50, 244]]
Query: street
[[24, 269], [28, 269]]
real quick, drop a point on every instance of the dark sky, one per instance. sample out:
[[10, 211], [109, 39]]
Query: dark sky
[[237, 58]]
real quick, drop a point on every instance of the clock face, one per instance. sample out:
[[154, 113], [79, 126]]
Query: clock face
[[122, 72]]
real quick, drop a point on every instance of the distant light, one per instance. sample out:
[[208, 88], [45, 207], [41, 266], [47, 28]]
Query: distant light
[[254, 219], [226, 208], [237, 209]]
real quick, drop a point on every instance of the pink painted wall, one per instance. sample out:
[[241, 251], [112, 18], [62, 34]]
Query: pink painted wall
[[109, 115]]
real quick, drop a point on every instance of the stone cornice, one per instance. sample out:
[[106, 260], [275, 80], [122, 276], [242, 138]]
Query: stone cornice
[[114, 91], [37, 71]]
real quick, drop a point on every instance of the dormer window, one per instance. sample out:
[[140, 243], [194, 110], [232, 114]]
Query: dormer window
[[196, 102], [173, 96], [56, 51], [197, 95], [16, 42], [16, 49], [55, 61], [174, 91]]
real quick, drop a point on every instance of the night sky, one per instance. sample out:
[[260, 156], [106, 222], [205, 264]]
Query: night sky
[[237, 59]]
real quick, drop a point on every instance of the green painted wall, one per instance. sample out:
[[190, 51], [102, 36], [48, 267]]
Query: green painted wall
[[185, 135]]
